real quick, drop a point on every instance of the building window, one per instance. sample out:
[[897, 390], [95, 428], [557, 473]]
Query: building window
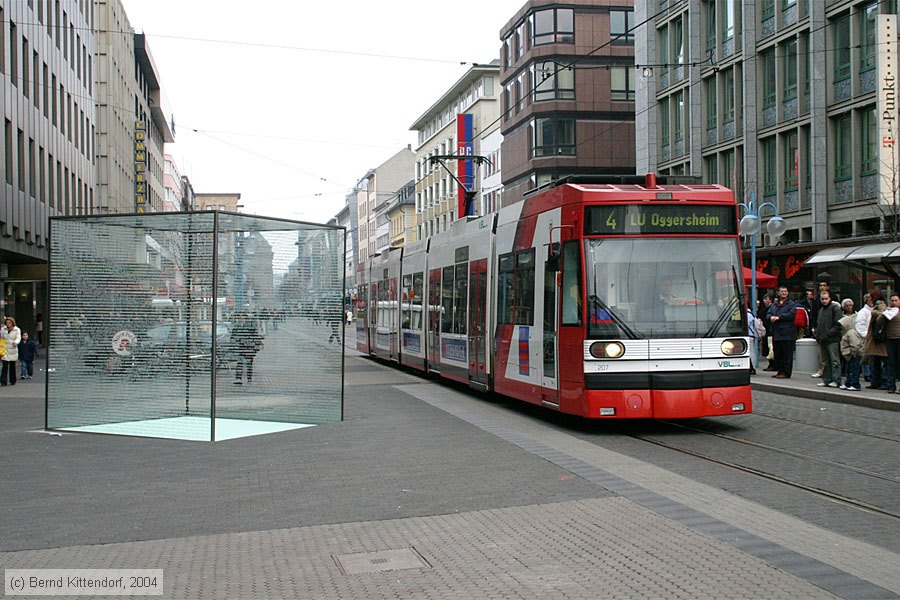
[[678, 117], [767, 10], [709, 9], [622, 83], [790, 70], [728, 97], [553, 26], [728, 174], [710, 169], [664, 122], [711, 114], [843, 148], [678, 41], [842, 48], [791, 162], [867, 27], [553, 136], [869, 165], [553, 81], [621, 24], [728, 20], [768, 63], [769, 167], [662, 50]]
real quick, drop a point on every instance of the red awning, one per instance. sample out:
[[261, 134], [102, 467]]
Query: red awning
[[763, 280]]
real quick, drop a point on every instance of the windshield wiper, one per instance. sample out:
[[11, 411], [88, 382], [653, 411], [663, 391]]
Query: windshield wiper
[[733, 304], [595, 300]]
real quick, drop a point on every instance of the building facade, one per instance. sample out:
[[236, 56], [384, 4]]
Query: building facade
[[476, 93], [400, 212], [173, 186], [372, 192], [777, 99], [229, 202], [47, 143], [568, 83], [133, 121]]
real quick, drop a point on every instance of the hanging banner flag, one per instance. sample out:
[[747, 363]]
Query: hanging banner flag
[[465, 170], [888, 159]]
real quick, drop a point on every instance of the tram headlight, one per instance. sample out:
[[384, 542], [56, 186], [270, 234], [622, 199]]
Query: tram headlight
[[734, 347], [607, 349]]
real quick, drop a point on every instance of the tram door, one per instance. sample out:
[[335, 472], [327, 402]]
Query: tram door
[[434, 320], [549, 377], [477, 323]]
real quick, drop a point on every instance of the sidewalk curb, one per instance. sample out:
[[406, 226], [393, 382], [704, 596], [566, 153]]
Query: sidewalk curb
[[831, 395]]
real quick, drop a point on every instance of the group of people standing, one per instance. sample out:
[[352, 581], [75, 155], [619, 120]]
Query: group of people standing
[[851, 344], [15, 347]]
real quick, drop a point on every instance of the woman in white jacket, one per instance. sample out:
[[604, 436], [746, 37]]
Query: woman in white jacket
[[11, 337]]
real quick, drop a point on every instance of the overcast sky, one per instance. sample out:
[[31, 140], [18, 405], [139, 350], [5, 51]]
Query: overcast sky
[[289, 103]]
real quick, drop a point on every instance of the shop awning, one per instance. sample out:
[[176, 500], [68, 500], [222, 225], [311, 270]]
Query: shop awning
[[869, 254], [763, 280]]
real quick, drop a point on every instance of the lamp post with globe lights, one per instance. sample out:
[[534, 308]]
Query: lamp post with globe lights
[[750, 225]]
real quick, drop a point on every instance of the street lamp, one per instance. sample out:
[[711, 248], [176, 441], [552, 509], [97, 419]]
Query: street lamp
[[750, 226]]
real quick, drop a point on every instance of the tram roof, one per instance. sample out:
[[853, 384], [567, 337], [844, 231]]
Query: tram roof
[[631, 183]]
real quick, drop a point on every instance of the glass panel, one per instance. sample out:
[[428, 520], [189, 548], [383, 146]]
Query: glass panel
[[141, 337]]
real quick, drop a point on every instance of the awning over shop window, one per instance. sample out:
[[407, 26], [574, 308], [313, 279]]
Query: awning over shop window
[[870, 253]]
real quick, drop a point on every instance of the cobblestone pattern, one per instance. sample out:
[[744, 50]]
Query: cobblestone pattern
[[790, 542], [601, 548]]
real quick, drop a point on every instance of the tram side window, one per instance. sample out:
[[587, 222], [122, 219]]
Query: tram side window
[[381, 307], [524, 294], [361, 301], [461, 289], [406, 294], [505, 289], [447, 300], [571, 283], [417, 289]]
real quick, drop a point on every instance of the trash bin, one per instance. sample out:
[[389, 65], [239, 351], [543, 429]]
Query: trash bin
[[806, 356]]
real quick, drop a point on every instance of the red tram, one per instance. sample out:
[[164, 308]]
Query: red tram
[[604, 299]]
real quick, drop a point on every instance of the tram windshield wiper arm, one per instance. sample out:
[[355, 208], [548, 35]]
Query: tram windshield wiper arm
[[616, 318]]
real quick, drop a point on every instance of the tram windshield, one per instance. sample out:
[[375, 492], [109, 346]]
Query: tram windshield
[[663, 288]]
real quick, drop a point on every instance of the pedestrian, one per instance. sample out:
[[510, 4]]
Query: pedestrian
[[755, 330], [39, 328], [893, 342], [762, 314], [846, 310], [28, 351], [784, 334], [248, 342], [828, 336], [824, 286], [851, 352], [11, 336], [334, 322], [862, 328], [808, 302], [875, 350]]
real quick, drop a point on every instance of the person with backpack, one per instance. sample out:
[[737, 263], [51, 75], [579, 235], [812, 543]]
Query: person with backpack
[[756, 330], [784, 334]]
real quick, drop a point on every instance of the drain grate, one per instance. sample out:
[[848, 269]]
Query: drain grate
[[377, 562]]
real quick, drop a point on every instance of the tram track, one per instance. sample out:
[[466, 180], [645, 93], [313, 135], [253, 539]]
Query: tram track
[[852, 502], [877, 436]]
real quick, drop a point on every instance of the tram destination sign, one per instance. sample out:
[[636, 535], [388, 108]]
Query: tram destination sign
[[634, 219]]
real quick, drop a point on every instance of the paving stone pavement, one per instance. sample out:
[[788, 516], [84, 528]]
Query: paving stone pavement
[[488, 503], [602, 548]]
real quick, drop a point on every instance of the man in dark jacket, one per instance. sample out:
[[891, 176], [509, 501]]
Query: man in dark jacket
[[784, 334], [828, 335]]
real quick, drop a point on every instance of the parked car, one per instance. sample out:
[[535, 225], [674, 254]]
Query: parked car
[[170, 341]]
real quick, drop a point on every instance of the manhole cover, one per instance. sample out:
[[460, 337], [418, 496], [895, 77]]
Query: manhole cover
[[384, 560]]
